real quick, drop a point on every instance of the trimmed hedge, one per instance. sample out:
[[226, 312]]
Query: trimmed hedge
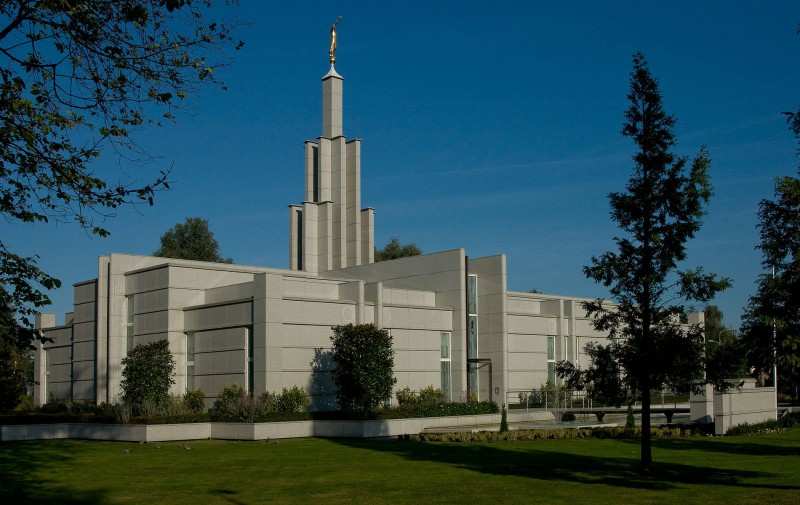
[[401, 412], [38, 418], [555, 433], [787, 421], [268, 417], [197, 417]]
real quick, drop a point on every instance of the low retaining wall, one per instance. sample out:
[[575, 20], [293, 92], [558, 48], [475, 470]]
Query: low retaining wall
[[238, 431], [744, 404]]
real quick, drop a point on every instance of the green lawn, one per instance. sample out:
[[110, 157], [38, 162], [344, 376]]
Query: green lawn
[[737, 470]]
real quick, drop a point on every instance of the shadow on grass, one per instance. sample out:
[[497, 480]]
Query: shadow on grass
[[518, 459], [226, 495], [758, 446], [23, 470]]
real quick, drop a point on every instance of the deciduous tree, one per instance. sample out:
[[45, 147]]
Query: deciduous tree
[[14, 344], [191, 240], [394, 249], [77, 80], [725, 353], [658, 213]]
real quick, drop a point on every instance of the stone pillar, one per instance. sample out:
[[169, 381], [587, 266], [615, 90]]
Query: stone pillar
[[332, 104], [701, 405]]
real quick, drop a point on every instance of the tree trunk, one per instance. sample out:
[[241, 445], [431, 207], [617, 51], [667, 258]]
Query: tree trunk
[[646, 460]]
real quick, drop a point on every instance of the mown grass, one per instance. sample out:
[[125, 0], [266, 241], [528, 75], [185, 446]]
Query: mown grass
[[732, 470]]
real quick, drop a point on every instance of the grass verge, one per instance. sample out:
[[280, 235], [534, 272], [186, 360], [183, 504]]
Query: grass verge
[[731, 470]]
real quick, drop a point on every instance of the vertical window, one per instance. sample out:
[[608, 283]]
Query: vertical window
[[300, 240], [472, 332], [551, 359], [444, 361], [190, 360], [315, 184], [472, 351], [250, 362], [472, 294], [46, 385], [129, 321]]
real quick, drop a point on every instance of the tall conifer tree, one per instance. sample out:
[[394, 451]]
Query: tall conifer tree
[[771, 323], [658, 213]]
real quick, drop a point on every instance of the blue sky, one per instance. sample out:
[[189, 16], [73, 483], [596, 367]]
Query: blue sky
[[492, 126]]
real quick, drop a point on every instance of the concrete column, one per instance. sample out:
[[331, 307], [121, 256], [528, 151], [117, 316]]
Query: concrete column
[[367, 236], [379, 304], [560, 351], [339, 198], [332, 104], [701, 405], [360, 303], [324, 170], [43, 321], [104, 394], [353, 202], [572, 348], [295, 237]]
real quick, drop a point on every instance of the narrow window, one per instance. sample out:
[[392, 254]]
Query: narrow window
[[315, 184], [472, 333], [551, 359], [444, 361], [46, 385], [300, 240], [250, 362], [472, 294], [129, 322], [190, 360]]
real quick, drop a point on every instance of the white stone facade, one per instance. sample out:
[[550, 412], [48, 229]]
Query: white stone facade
[[454, 323]]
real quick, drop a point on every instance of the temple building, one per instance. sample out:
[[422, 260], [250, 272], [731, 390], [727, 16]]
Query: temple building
[[453, 321]]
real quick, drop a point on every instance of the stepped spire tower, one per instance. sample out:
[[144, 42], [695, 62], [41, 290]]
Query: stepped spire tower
[[330, 230]]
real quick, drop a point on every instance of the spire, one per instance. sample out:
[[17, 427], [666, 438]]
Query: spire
[[330, 230]]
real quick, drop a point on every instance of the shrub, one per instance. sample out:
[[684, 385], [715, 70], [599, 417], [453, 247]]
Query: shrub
[[458, 409], [567, 417], [406, 396], [189, 417], [194, 400], [364, 360], [234, 404], [293, 400], [530, 399], [228, 396], [54, 408], [555, 433], [432, 396], [25, 404], [121, 412], [174, 406], [630, 420], [782, 423], [81, 407], [503, 420], [149, 407], [270, 401], [147, 375]]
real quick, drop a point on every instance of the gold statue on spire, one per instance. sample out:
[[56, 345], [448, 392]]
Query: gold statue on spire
[[333, 41]]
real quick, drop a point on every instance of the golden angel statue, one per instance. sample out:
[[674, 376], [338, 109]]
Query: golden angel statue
[[333, 41]]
